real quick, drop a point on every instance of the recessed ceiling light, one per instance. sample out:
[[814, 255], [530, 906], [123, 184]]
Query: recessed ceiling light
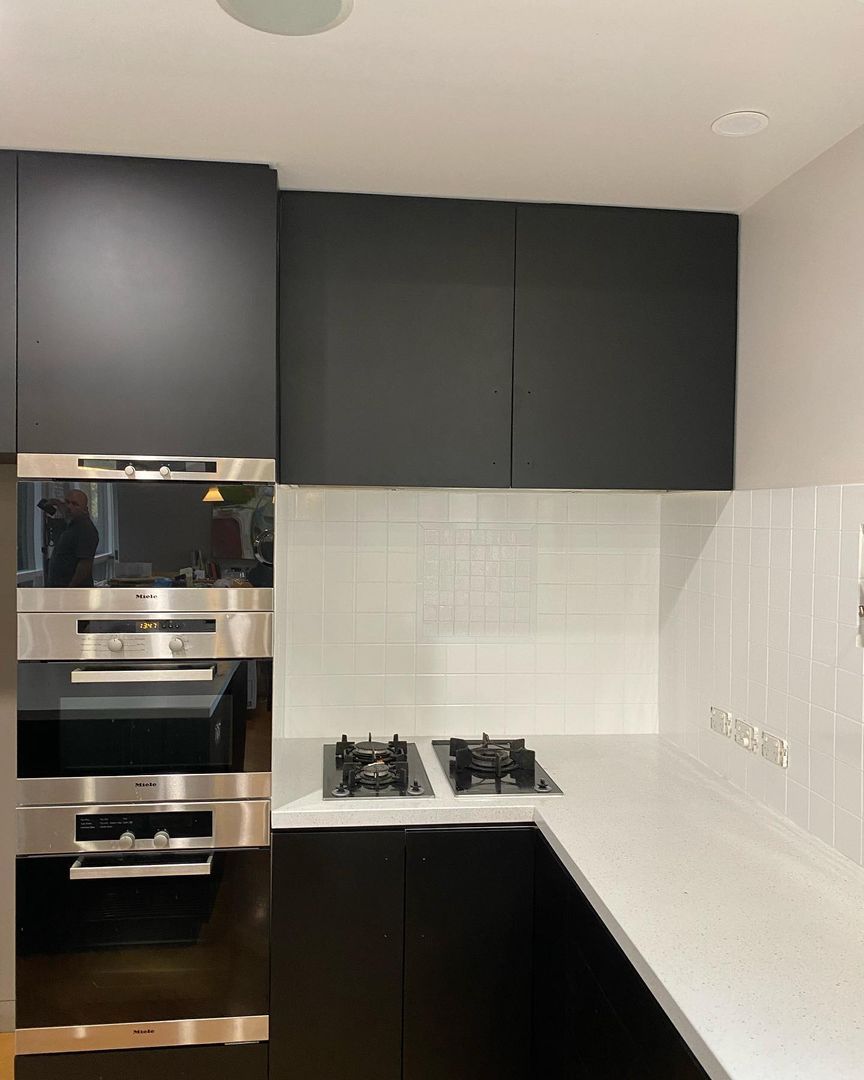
[[294, 18], [738, 124]]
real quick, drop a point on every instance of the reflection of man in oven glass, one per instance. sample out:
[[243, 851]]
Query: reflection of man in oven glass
[[71, 565]]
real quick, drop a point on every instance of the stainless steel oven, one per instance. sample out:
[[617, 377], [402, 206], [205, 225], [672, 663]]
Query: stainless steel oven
[[121, 707], [140, 534], [142, 925]]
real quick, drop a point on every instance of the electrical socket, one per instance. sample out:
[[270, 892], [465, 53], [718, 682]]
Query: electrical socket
[[721, 721], [775, 749], [746, 735]]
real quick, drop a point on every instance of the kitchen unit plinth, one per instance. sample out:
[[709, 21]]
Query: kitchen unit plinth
[[185, 1063]]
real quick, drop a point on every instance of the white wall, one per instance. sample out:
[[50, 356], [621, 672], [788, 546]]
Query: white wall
[[801, 327], [758, 615], [436, 612]]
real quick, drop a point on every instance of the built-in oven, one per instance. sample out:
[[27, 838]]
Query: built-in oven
[[120, 707], [115, 533], [142, 925]]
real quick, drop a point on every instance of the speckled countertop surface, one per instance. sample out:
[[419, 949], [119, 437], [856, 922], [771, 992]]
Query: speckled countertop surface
[[749, 931]]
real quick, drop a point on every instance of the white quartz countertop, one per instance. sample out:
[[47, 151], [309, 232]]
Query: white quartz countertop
[[749, 931]]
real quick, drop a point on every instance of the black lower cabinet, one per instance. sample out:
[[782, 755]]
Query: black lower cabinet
[[402, 953], [247, 1062], [336, 960], [469, 896], [594, 1017], [451, 954]]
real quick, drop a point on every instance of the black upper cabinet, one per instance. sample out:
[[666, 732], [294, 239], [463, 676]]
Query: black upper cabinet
[[8, 213], [396, 340], [624, 353], [147, 307]]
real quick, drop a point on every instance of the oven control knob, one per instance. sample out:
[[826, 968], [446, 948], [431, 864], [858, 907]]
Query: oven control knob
[[176, 644], [161, 839], [129, 470], [126, 840], [164, 471], [115, 644]]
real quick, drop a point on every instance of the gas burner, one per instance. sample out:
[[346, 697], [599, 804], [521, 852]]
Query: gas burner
[[493, 767], [376, 774], [494, 758], [368, 769], [491, 757], [370, 750]]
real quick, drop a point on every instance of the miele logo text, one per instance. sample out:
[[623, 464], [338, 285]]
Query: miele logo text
[[148, 783], [143, 1031], [145, 596]]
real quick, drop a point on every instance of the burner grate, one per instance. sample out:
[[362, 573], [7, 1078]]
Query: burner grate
[[490, 766], [373, 768]]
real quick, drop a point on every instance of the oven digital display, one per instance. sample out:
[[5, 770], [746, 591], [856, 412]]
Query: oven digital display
[[146, 626]]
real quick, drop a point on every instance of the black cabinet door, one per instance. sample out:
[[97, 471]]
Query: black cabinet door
[[147, 307], [555, 1053], [336, 961], [396, 340], [594, 1017], [186, 1063], [8, 220], [625, 336], [468, 954]]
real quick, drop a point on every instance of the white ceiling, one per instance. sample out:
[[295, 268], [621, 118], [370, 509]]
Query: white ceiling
[[600, 101]]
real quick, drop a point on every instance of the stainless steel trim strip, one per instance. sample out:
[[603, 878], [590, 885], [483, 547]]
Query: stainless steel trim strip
[[144, 599], [54, 636], [69, 467], [176, 787], [78, 871], [142, 1035], [143, 675], [50, 830]]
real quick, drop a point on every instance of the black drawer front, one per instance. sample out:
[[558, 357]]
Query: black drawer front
[[184, 1063]]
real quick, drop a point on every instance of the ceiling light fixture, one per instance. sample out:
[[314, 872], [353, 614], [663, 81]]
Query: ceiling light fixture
[[293, 18], [738, 124]]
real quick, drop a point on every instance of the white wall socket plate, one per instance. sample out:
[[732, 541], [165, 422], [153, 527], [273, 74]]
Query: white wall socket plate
[[721, 721], [860, 635], [775, 749], [746, 735]]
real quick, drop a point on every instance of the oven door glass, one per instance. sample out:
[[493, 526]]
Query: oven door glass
[[129, 719], [110, 939], [150, 534]]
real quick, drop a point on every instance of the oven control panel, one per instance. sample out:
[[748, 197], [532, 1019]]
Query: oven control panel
[[125, 830], [116, 638], [225, 635]]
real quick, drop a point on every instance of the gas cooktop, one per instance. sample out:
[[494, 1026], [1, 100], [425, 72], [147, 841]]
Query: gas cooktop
[[374, 770], [493, 767]]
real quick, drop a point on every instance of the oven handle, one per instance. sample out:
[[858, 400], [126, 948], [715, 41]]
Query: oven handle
[[80, 872], [143, 675]]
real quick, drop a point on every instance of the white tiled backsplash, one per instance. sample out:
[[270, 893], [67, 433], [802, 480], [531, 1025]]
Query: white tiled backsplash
[[448, 612], [758, 615]]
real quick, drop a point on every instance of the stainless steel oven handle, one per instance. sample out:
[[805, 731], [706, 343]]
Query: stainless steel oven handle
[[144, 675], [79, 871]]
